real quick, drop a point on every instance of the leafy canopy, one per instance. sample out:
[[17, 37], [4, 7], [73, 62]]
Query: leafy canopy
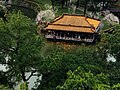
[[20, 46]]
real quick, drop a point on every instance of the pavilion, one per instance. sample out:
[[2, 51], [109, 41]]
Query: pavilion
[[73, 28]]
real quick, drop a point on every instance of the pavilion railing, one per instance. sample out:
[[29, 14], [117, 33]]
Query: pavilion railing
[[68, 38]]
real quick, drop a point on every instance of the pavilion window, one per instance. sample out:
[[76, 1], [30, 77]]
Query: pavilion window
[[58, 33], [82, 36], [88, 36], [49, 32], [62, 34], [91, 37], [73, 35], [52, 32], [78, 36], [67, 34]]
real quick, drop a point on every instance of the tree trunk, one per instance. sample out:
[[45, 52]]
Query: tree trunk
[[77, 3], [63, 3], [23, 76], [52, 2], [103, 4], [22, 70], [45, 80], [85, 7], [66, 3]]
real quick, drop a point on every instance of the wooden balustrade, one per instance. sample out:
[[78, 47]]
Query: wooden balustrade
[[69, 38]]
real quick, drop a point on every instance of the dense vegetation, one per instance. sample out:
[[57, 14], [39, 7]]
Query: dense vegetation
[[62, 66]]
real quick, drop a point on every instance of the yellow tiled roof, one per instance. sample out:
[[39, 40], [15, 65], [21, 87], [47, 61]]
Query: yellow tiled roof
[[72, 20], [74, 23], [93, 22]]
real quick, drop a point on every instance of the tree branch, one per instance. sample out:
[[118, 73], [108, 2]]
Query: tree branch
[[10, 49], [31, 75]]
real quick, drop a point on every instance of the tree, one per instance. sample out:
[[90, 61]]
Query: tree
[[23, 86], [110, 41], [2, 87], [3, 11], [85, 7], [81, 80], [52, 2], [4, 80], [53, 70], [113, 42], [114, 1], [112, 46], [90, 58], [20, 46], [60, 61]]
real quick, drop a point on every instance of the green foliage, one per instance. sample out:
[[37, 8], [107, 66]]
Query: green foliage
[[2, 87], [110, 41], [116, 87], [110, 45], [58, 62], [81, 80], [114, 42], [42, 3], [23, 86], [90, 58], [21, 45], [53, 70]]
